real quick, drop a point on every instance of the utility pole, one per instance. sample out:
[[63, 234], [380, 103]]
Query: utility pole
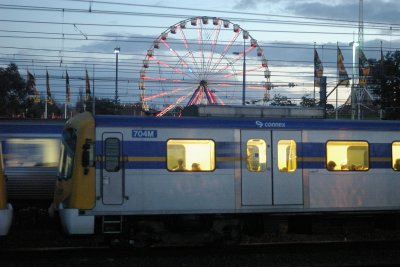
[[116, 51]]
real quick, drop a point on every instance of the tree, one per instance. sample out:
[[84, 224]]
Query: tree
[[386, 84], [107, 106], [307, 102], [13, 92], [280, 100]]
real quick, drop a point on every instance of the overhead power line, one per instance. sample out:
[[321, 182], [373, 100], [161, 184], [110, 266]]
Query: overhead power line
[[320, 22]]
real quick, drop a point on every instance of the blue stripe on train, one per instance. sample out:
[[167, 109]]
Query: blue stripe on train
[[159, 148], [314, 153]]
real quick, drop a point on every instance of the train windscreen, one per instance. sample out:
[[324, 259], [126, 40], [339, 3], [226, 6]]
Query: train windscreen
[[67, 153]]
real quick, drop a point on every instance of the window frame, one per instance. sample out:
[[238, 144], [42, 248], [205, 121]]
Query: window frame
[[262, 168], [287, 161], [189, 170], [392, 157], [119, 166], [67, 151], [348, 170]]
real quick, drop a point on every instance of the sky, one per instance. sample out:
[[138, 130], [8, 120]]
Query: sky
[[74, 35]]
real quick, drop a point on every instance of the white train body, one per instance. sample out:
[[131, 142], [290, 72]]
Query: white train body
[[248, 165]]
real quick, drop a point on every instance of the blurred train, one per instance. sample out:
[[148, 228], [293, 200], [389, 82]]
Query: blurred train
[[29, 153], [6, 210], [117, 171], [30, 150]]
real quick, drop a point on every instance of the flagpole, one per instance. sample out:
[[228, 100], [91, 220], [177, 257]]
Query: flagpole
[[45, 108], [314, 73], [337, 89], [65, 104], [353, 84], [94, 99], [46, 98], [67, 94]]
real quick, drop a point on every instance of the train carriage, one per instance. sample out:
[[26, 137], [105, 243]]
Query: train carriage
[[140, 166], [6, 210], [30, 151]]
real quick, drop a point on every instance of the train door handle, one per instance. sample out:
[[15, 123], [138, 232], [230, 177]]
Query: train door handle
[[106, 180]]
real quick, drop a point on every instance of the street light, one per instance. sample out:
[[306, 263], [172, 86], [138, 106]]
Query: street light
[[116, 52], [244, 76], [245, 36], [353, 93]]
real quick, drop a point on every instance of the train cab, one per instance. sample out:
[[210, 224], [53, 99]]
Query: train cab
[[6, 210]]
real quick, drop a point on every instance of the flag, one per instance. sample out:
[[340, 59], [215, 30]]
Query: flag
[[32, 90], [87, 86], [364, 68], [318, 69], [343, 77], [49, 100], [67, 89], [362, 58]]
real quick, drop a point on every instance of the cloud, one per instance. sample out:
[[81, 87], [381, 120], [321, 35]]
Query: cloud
[[348, 10], [383, 11], [246, 4], [133, 43]]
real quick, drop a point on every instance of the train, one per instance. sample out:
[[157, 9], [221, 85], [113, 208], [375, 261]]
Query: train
[[6, 210], [117, 171], [30, 150], [29, 153]]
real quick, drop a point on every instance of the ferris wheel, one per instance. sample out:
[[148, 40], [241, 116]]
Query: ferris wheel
[[203, 60]]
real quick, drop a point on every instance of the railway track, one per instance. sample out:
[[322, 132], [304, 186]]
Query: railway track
[[38, 241], [317, 253]]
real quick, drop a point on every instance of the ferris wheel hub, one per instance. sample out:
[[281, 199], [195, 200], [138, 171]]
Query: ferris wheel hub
[[203, 83]]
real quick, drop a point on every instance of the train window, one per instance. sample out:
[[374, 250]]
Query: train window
[[347, 156], [396, 156], [66, 160], [35, 152], [112, 153], [68, 145], [190, 155], [1, 158], [287, 156], [256, 155]]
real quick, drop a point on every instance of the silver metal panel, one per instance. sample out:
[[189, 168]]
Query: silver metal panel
[[163, 134], [322, 136], [306, 188], [287, 186], [150, 192], [256, 186], [253, 111], [155, 191], [238, 171], [372, 189]]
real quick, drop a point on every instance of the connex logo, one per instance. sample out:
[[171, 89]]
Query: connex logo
[[269, 124]]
